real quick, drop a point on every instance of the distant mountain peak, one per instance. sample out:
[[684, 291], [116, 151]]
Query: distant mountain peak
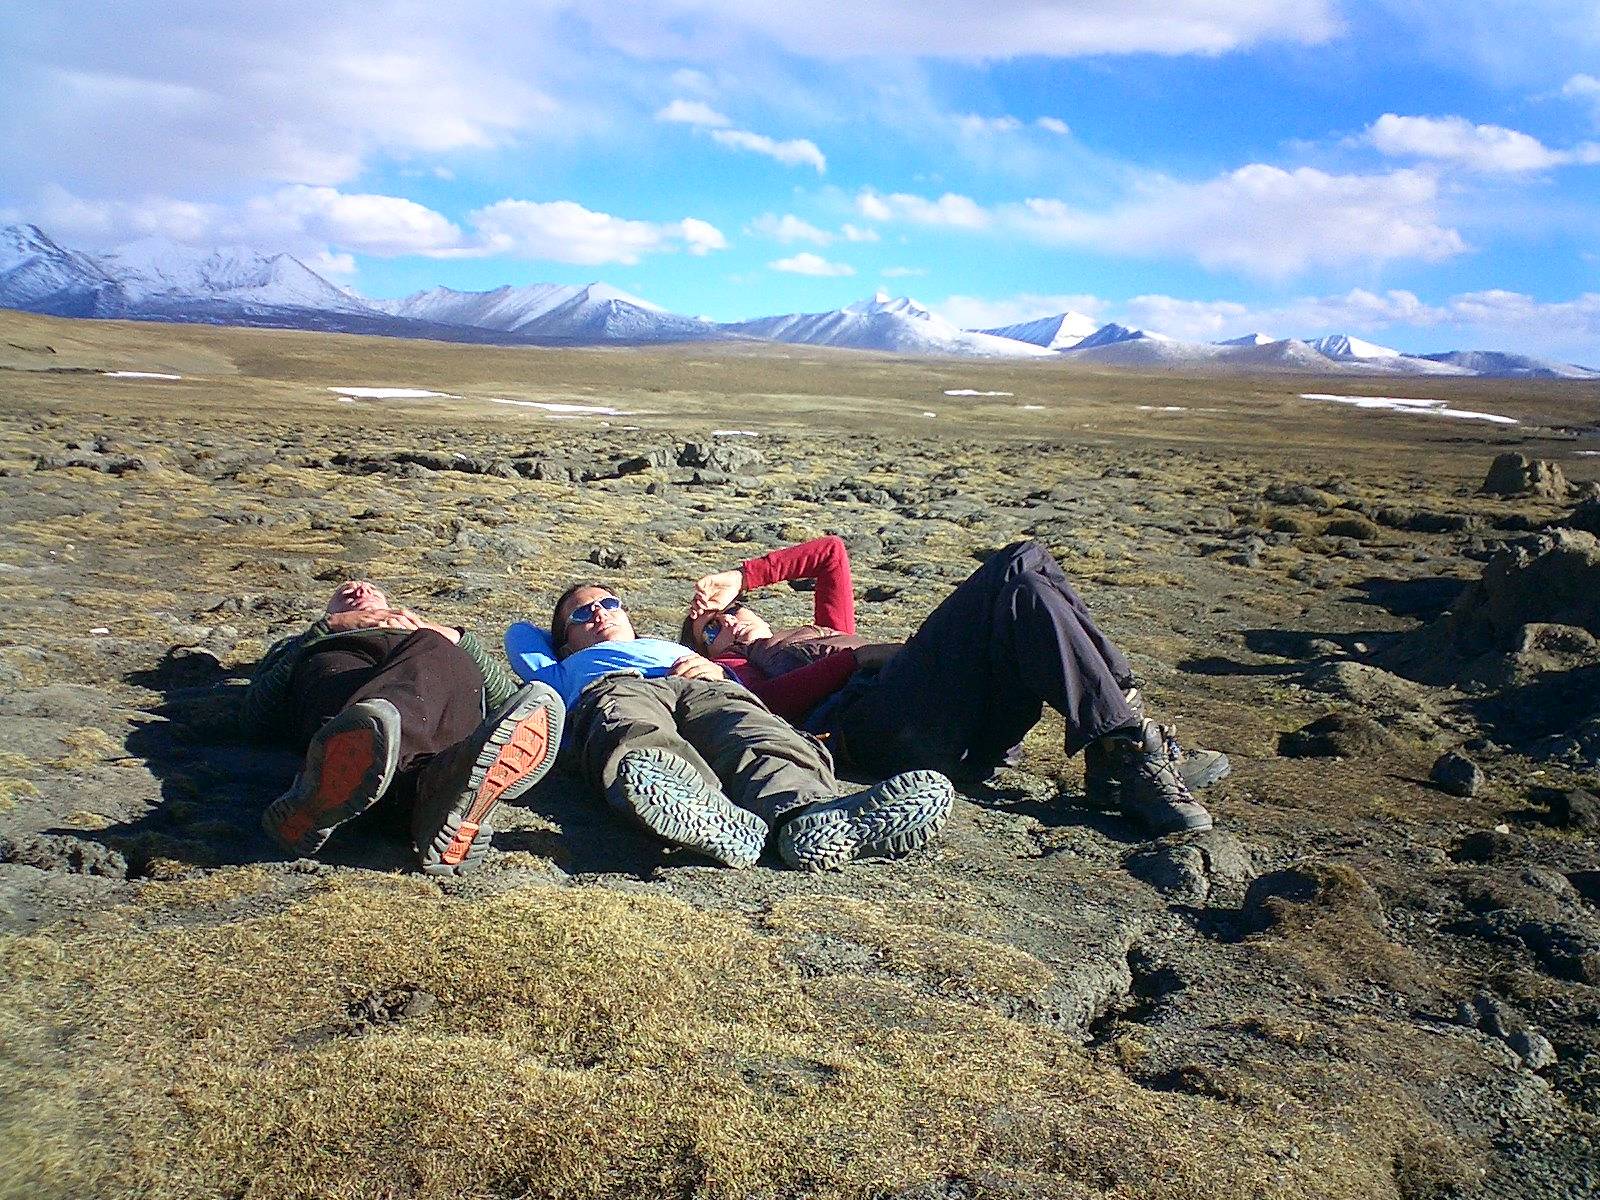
[[1251, 339], [1062, 331], [882, 302], [1342, 345]]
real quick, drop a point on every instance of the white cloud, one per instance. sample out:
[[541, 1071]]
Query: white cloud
[[976, 126], [855, 233], [367, 224], [1487, 148], [119, 100], [1261, 220], [320, 221], [789, 229], [1495, 319], [564, 231], [1586, 90], [961, 30], [797, 152], [693, 112], [686, 79], [976, 312], [701, 237], [806, 263], [960, 212], [1053, 125], [1191, 320]]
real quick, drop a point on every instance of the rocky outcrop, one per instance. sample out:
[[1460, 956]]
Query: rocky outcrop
[[1517, 475]]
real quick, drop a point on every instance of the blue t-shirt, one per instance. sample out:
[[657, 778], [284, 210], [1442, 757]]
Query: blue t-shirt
[[649, 657]]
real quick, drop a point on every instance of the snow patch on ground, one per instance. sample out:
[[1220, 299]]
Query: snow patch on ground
[[1430, 408], [734, 433], [1033, 408], [566, 411], [1163, 408], [930, 414], [139, 375], [386, 393], [970, 392]]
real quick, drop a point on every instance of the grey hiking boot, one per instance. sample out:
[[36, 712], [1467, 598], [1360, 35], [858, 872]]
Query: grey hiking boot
[[505, 756], [1198, 768], [349, 766], [1134, 767], [888, 820], [673, 802]]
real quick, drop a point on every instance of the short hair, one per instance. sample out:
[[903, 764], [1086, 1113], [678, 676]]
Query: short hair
[[558, 623], [686, 633]]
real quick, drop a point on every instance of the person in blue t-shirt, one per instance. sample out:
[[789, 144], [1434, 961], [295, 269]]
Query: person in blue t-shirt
[[671, 740]]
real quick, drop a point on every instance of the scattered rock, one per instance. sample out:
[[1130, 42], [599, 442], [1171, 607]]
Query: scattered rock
[[1533, 1048], [1301, 494], [729, 458], [54, 852], [1574, 809], [1295, 895], [1337, 735], [1457, 774], [1490, 846], [1514, 474]]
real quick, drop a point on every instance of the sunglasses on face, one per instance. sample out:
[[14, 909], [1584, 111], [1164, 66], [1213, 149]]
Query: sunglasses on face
[[713, 628], [585, 613]]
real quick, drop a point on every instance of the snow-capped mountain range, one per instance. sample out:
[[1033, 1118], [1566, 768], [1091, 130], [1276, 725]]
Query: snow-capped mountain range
[[159, 280]]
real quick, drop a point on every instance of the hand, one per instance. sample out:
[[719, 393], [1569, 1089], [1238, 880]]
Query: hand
[[444, 631], [875, 657], [694, 666], [373, 618], [713, 593]]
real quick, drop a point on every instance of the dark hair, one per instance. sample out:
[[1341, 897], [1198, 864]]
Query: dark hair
[[686, 633], [558, 623]]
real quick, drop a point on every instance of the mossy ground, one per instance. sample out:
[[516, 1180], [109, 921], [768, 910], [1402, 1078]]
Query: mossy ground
[[1010, 1013]]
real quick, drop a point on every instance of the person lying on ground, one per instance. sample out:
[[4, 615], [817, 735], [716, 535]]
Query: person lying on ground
[[964, 690], [670, 740], [385, 702]]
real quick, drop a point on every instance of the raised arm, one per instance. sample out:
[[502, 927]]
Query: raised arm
[[824, 559]]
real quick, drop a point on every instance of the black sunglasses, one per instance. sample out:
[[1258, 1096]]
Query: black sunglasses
[[713, 628]]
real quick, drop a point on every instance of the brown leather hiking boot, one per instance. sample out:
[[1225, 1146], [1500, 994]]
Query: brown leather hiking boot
[[505, 756]]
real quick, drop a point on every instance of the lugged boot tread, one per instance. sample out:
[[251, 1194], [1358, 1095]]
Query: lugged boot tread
[[672, 800], [890, 820]]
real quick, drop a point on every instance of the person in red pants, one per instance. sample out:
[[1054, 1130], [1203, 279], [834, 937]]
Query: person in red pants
[[384, 701], [965, 688]]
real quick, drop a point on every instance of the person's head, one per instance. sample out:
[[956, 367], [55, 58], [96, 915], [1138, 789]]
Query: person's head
[[586, 615], [357, 595], [727, 631]]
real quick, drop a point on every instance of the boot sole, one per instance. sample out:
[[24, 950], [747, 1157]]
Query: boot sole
[[349, 766], [515, 756], [890, 820], [678, 806]]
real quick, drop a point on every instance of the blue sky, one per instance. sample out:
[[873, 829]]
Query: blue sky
[[1427, 176]]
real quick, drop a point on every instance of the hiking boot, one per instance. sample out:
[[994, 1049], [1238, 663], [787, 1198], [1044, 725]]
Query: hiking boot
[[888, 820], [505, 756], [1133, 767], [1199, 768], [675, 803], [349, 765]]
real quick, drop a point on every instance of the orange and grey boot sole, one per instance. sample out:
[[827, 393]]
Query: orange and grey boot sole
[[349, 765], [516, 751]]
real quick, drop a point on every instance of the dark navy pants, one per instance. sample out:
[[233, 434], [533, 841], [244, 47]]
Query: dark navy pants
[[976, 676]]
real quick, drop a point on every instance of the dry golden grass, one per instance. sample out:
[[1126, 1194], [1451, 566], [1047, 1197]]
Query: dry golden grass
[[586, 1044]]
